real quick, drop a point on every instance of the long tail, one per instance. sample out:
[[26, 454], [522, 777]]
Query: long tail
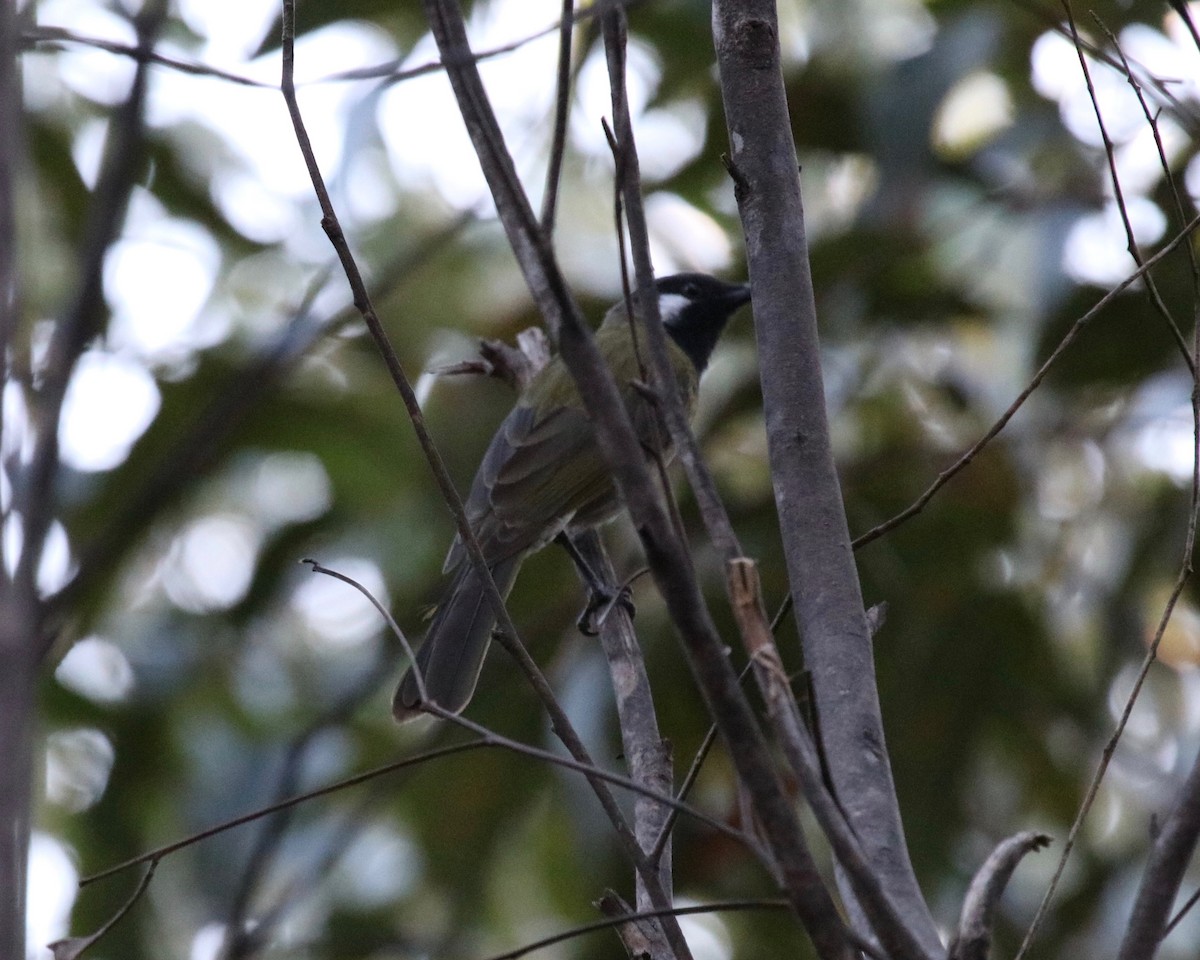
[[452, 655]]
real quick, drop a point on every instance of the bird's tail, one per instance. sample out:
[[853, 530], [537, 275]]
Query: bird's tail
[[452, 655]]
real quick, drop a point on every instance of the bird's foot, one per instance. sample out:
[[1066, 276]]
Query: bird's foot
[[600, 605]]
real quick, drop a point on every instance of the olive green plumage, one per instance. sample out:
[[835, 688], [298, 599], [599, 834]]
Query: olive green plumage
[[544, 473]]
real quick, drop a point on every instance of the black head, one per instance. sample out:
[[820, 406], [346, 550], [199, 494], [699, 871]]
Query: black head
[[694, 308]]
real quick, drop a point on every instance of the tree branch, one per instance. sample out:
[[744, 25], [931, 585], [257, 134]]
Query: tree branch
[[616, 921], [829, 607], [84, 317], [18, 614], [967, 456], [200, 445], [1169, 859], [456, 51], [646, 753], [669, 559], [1131, 244], [974, 936], [562, 104]]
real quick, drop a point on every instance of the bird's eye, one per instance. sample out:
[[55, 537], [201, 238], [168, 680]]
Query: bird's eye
[[691, 291]]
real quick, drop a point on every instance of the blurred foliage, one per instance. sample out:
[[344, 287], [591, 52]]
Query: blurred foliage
[[1019, 601]]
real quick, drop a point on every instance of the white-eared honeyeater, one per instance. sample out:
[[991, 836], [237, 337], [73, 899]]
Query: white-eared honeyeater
[[543, 474]]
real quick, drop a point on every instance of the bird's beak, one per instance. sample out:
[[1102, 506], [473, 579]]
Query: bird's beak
[[739, 293]]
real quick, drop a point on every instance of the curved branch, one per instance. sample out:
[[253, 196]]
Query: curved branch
[[974, 936]]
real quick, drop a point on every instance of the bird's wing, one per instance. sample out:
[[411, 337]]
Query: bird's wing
[[536, 473], [552, 469]]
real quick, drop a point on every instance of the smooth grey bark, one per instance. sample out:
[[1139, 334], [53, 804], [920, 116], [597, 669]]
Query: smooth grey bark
[[824, 581], [1169, 859], [17, 673], [647, 754], [973, 939], [18, 652]]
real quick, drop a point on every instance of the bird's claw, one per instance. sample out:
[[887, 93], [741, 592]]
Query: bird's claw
[[600, 606]]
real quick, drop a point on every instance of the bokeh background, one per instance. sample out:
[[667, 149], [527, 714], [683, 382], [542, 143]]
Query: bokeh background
[[234, 418]]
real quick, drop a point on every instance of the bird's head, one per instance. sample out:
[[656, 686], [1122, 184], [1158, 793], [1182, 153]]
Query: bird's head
[[694, 308]]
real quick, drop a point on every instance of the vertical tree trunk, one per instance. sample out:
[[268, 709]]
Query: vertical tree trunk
[[17, 671], [18, 661], [824, 581]]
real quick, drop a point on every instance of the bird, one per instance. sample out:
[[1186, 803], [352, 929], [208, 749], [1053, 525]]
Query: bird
[[543, 475]]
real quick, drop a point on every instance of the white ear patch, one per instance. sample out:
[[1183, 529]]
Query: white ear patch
[[670, 306]]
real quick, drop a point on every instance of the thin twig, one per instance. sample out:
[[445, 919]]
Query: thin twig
[[1185, 571], [353, 781], [1182, 112], [1131, 243], [656, 397], [1182, 911], [73, 947], [509, 638], [52, 35], [878, 903], [562, 104], [1152, 122], [390, 72], [610, 922], [12, 147], [84, 317], [382, 611], [964, 460], [589, 770]]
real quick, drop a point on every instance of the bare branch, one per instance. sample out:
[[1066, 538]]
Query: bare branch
[[1156, 299], [640, 940], [84, 317], [1182, 912], [52, 36], [562, 104], [590, 770], [358, 778], [1185, 572], [878, 904], [802, 882], [824, 582], [11, 147], [18, 609], [618, 919], [1068, 338], [534, 242], [973, 939], [73, 947], [647, 754], [1160, 89], [1152, 122], [389, 72], [1169, 859]]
